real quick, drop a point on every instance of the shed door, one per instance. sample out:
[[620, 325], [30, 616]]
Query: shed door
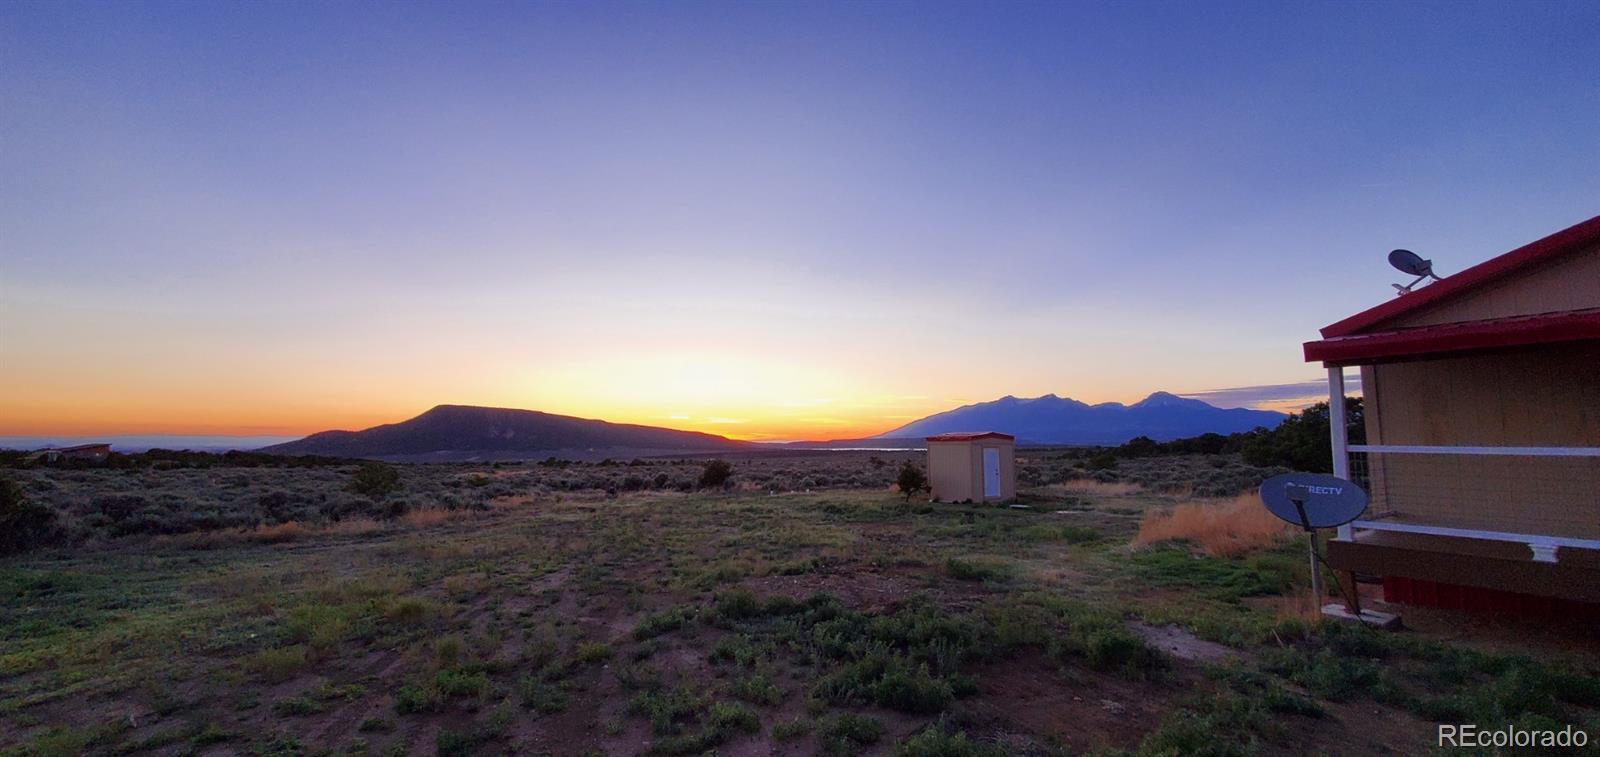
[[991, 472]]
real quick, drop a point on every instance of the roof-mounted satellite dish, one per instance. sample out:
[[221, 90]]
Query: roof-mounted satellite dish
[[1411, 264]]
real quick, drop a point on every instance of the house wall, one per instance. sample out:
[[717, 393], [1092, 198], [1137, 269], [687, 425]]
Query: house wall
[[1569, 283], [1540, 397]]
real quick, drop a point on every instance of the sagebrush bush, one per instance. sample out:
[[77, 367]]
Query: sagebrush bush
[[24, 524], [375, 480], [715, 474]]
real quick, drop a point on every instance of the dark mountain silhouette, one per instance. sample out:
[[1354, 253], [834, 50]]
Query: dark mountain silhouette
[[1058, 420], [462, 432]]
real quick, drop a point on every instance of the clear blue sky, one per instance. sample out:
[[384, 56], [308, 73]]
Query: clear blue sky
[[764, 219]]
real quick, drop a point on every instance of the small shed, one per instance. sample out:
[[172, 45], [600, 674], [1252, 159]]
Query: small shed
[[978, 466]]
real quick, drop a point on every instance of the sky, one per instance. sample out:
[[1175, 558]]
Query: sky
[[765, 220]]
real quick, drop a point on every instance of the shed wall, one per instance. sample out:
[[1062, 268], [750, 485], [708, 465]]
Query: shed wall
[[955, 470], [950, 470]]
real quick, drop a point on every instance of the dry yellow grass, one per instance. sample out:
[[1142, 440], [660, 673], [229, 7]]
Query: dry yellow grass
[[278, 532], [1220, 528], [354, 527]]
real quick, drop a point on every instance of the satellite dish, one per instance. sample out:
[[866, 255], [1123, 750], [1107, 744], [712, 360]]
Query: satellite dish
[[1408, 262], [1411, 264], [1312, 500]]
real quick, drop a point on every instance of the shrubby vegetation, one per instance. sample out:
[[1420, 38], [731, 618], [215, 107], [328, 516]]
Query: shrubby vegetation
[[1302, 442], [23, 522], [911, 479], [715, 474], [378, 480]]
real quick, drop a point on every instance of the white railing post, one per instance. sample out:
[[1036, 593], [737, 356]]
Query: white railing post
[[1337, 434]]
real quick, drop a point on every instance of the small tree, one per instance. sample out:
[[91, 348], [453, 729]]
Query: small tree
[[911, 480], [375, 480], [716, 474], [23, 523]]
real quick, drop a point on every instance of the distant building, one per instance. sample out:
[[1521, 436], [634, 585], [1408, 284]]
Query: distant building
[[89, 452], [980, 467], [1482, 402]]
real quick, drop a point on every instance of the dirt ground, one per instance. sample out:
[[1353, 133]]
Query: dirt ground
[[847, 621]]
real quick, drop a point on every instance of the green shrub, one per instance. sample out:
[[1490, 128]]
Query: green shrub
[[715, 474], [418, 697], [592, 651], [790, 729], [977, 570], [300, 705], [726, 717], [662, 622], [375, 480], [1102, 641], [543, 696], [911, 479], [668, 710], [758, 689], [935, 742], [848, 732], [456, 682], [24, 524], [889, 681]]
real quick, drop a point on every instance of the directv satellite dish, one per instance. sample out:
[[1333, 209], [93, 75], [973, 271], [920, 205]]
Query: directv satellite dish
[[1312, 501], [1411, 264]]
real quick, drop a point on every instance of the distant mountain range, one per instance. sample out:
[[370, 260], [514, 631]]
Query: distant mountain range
[[452, 433], [456, 433], [1059, 420]]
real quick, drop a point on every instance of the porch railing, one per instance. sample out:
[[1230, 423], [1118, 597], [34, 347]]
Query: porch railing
[[1438, 475]]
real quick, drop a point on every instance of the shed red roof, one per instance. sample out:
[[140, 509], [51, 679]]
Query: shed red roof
[[1553, 246], [968, 436]]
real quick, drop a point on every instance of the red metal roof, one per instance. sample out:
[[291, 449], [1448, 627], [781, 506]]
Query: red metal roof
[[1469, 336], [967, 436], [1553, 246]]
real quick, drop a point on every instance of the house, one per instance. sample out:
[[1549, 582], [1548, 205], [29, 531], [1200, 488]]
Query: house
[[1482, 414], [976, 467], [89, 452]]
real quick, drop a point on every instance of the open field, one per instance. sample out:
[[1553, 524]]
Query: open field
[[505, 613]]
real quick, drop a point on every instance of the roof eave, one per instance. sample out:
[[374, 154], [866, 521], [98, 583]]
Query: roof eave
[[1560, 243]]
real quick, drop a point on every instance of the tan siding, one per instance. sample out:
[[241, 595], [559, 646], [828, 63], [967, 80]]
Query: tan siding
[[950, 470], [1570, 283], [955, 470], [1544, 397]]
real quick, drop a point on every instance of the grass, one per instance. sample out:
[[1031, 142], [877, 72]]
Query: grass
[[1219, 528], [978, 570], [848, 732], [737, 620]]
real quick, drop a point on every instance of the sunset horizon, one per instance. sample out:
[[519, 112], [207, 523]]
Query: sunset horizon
[[927, 378], [768, 425]]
